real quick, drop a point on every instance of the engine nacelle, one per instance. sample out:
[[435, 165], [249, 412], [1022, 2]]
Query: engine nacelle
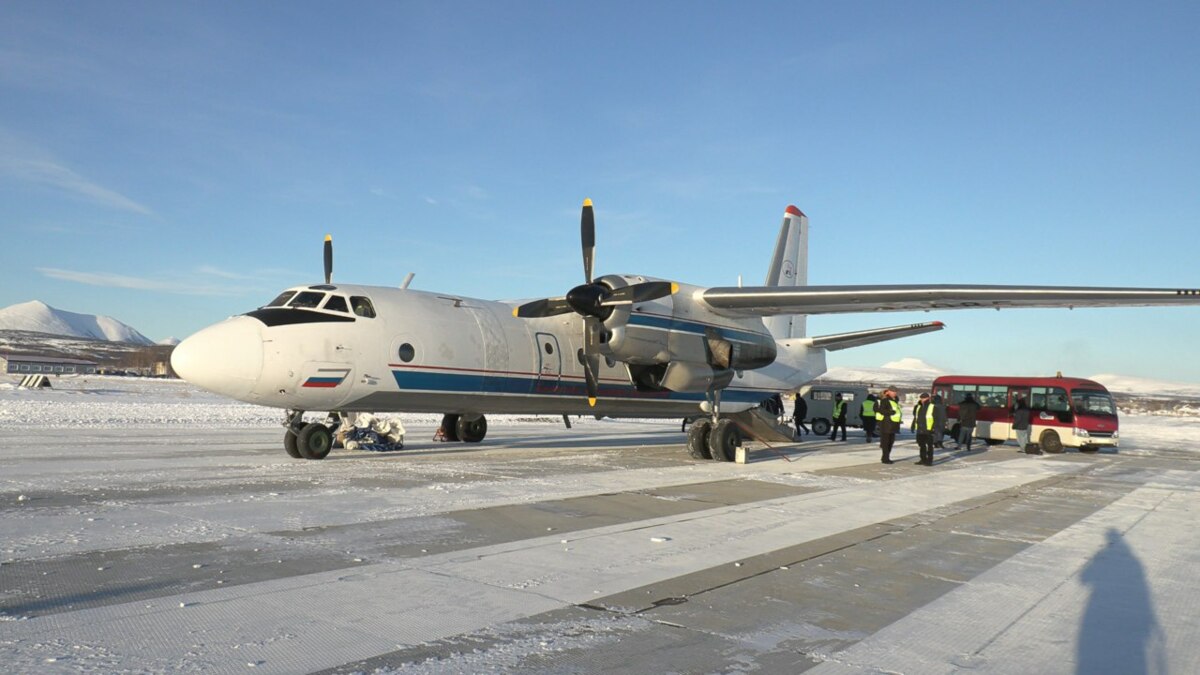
[[680, 376]]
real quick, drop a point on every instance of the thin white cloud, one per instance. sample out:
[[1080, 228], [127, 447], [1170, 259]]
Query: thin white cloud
[[138, 283], [224, 274], [22, 161], [49, 173]]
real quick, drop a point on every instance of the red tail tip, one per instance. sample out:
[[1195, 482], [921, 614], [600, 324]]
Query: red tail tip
[[938, 323], [792, 210]]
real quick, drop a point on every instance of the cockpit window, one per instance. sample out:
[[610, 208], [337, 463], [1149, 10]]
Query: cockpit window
[[337, 303], [281, 300], [362, 306], [307, 300]]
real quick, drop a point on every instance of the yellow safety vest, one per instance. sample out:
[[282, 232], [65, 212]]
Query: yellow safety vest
[[839, 408], [896, 417], [868, 408], [928, 416]]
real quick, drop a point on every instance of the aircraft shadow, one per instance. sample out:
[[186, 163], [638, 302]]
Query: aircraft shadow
[[1119, 632]]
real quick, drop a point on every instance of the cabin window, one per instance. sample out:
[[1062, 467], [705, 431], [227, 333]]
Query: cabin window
[[337, 303], [307, 300], [407, 352], [25, 368], [362, 306], [281, 299], [549, 348]]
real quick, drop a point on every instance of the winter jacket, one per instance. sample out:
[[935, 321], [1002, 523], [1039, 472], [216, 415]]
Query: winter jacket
[[1021, 415], [801, 411], [967, 412], [887, 412]]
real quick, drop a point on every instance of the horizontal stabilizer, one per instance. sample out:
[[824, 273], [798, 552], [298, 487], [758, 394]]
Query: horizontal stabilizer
[[865, 337], [770, 301]]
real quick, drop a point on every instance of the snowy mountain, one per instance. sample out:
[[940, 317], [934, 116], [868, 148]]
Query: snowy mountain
[[38, 317], [910, 363], [1142, 386], [169, 342]]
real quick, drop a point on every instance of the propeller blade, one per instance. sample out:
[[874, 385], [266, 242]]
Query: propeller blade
[[328, 259], [542, 308], [587, 235], [591, 360], [643, 292]]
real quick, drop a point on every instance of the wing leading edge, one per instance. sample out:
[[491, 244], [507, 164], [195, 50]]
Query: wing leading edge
[[768, 301]]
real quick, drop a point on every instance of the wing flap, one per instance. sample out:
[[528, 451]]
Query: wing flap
[[769, 301], [865, 337]]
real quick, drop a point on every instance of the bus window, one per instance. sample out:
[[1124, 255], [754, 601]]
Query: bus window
[[992, 396], [961, 391], [822, 396], [1051, 400], [1088, 402], [847, 395]]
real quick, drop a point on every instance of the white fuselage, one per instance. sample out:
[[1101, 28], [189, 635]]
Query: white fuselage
[[428, 352]]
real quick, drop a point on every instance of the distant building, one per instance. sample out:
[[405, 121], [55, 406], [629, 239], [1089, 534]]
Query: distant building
[[28, 365]]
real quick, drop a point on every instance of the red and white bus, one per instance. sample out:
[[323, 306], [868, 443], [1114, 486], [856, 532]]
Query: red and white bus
[[1068, 412]]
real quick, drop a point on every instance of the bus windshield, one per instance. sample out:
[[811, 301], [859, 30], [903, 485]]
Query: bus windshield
[[1089, 402]]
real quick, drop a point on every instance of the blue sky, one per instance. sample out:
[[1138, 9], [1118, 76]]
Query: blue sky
[[170, 164]]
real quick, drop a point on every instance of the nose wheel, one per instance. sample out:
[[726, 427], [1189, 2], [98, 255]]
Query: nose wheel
[[313, 440]]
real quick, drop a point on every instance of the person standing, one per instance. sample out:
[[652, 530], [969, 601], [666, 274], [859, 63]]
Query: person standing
[[800, 414], [867, 415], [939, 420], [923, 423], [968, 410], [887, 414], [1021, 417], [839, 417]]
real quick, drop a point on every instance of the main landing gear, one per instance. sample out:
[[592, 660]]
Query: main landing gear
[[715, 438], [313, 440], [468, 428]]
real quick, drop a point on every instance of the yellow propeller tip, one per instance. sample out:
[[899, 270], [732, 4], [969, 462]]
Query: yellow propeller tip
[[587, 202], [591, 402], [674, 288], [515, 310], [329, 237]]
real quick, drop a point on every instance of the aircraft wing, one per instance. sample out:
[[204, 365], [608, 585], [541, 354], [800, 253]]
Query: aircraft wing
[[772, 300], [859, 338]]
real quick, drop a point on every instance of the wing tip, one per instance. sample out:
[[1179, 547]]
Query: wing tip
[[791, 210]]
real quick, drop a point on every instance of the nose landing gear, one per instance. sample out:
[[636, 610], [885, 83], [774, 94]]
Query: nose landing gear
[[309, 441]]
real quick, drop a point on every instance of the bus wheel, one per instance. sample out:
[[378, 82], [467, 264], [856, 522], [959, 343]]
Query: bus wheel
[[697, 441], [820, 426], [1050, 441]]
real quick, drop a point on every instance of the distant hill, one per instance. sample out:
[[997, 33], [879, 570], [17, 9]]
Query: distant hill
[[38, 317]]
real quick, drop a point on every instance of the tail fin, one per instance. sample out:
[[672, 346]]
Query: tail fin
[[789, 267]]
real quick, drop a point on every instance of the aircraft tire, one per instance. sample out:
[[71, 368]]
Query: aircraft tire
[[471, 430], [450, 426], [697, 440], [1050, 442], [314, 441], [724, 440], [289, 444], [820, 426]]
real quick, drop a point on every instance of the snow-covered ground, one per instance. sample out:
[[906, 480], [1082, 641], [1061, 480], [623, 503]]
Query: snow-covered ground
[[147, 526]]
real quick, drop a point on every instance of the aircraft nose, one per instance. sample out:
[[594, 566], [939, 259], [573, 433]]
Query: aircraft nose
[[225, 358]]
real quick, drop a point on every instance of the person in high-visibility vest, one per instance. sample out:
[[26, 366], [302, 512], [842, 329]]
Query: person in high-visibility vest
[[839, 417], [923, 424], [887, 414], [867, 414]]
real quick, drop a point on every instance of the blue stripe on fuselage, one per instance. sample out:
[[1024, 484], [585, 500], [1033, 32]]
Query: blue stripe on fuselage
[[486, 383]]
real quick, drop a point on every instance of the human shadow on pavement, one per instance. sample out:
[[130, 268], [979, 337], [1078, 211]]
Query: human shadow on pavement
[[1119, 632]]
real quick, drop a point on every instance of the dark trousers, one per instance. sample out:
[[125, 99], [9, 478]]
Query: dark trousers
[[838, 422], [925, 443], [965, 434], [886, 439], [869, 427]]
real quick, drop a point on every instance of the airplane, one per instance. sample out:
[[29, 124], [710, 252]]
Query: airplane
[[618, 345]]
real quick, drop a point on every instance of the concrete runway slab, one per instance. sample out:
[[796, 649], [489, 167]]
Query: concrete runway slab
[[547, 550]]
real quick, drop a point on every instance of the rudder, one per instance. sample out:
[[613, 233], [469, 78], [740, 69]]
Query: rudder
[[789, 267]]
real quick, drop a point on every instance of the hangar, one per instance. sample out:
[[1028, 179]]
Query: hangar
[[28, 365]]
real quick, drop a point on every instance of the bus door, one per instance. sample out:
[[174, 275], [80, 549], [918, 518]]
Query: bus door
[[1023, 390], [993, 422]]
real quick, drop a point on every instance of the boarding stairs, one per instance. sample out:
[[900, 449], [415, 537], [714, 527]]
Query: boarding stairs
[[763, 426]]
